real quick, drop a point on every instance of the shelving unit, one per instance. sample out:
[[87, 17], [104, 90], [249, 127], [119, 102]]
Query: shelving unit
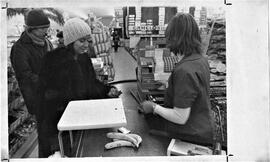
[[27, 147], [101, 47], [22, 126], [216, 54]]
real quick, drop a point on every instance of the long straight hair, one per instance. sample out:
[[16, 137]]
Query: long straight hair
[[182, 35]]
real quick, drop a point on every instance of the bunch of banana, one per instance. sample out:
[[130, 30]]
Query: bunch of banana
[[121, 139]]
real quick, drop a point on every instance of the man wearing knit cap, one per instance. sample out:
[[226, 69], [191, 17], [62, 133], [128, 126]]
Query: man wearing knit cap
[[26, 55]]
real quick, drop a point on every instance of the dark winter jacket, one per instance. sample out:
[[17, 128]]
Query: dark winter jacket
[[63, 79], [26, 59]]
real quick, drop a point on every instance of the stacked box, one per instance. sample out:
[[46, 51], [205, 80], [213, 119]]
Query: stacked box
[[197, 16], [203, 17], [97, 63], [108, 45], [105, 37], [94, 39], [143, 28], [138, 20], [131, 24], [106, 59], [161, 22], [146, 70], [161, 15], [97, 38], [149, 26]]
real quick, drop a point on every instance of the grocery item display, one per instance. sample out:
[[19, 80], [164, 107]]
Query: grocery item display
[[101, 42], [20, 123], [216, 54]]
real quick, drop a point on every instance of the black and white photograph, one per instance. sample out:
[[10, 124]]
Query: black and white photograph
[[134, 80]]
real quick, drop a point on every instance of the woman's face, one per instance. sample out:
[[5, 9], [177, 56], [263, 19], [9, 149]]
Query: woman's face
[[82, 45]]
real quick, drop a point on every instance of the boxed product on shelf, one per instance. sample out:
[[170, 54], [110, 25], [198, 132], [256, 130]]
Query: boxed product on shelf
[[18, 137], [106, 58], [219, 112], [96, 50], [99, 48], [19, 118], [105, 37], [147, 78], [97, 63], [218, 91], [169, 63], [107, 46], [16, 103], [161, 32], [13, 94], [15, 141], [147, 62], [93, 39], [102, 48], [107, 74], [101, 39], [218, 83], [97, 38]]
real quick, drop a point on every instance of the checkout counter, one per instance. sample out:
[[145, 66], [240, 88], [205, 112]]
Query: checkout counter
[[91, 142]]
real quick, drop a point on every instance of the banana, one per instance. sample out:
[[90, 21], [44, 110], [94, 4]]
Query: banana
[[118, 143], [137, 137], [122, 136]]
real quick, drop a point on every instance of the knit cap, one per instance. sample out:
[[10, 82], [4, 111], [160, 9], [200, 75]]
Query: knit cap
[[75, 29], [36, 18]]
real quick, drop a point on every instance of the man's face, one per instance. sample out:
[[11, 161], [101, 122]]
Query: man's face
[[40, 32]]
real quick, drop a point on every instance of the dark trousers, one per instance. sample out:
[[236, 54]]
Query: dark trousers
[[48, 134], [116, 45], [43, 146]]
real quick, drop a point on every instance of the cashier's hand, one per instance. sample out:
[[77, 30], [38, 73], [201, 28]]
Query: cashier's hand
[[114, 93], [148, 107]]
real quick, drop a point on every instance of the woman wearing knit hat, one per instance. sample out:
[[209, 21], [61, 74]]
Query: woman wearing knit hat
[[26, 55], [68, 74]]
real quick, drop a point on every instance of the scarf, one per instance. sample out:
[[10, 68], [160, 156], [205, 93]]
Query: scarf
[[40, 41], [35, 39]]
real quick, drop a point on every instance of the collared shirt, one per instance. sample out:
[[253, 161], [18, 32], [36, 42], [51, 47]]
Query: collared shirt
[[188, 86]]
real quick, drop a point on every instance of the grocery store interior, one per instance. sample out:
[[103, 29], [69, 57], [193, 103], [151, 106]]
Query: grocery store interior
[[142, 47]]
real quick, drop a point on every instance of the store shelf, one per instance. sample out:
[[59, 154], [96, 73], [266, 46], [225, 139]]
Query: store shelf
[[16, 103], [23, 140], [17, 122], [27, 147]]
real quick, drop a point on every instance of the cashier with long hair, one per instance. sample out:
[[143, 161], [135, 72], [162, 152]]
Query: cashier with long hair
[[186, 112]]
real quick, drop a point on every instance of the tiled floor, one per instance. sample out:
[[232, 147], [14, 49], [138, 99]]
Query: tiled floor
[[124, 66]]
